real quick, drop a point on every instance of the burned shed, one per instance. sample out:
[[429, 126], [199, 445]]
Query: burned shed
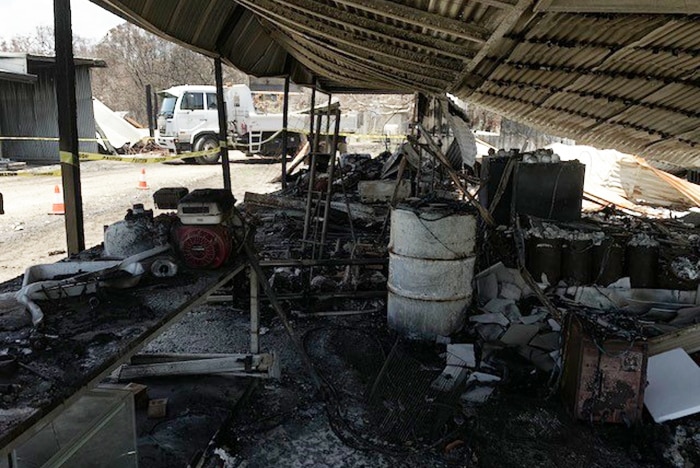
[[435, 305], [28, 110]]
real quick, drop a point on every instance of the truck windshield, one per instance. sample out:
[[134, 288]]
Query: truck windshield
[[168, 105]]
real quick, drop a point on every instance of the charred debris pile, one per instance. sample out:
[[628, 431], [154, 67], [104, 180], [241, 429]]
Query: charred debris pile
[[494, 279], [455, 287]]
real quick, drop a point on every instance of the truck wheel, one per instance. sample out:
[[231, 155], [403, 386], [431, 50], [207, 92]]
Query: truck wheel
[[205, 143]]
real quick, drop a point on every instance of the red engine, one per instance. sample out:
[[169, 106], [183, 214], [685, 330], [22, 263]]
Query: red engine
[[203, 246]]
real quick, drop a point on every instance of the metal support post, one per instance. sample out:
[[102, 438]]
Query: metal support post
[[68, 127], [326, 139], [331, 173], [312, 160], [285, 132], [149, 111], [221, 108], [254, 313]]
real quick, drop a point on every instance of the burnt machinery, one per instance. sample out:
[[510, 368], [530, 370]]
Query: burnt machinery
[[200, 231]]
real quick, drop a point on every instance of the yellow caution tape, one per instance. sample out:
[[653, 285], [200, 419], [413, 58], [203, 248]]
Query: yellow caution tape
[[68, 158], [30, 138], [369, 136], [31, 172]]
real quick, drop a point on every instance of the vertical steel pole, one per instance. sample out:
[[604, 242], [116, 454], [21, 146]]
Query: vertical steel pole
[[149, 111], [285, 132], [68, 127], [312, 162], [254, 313], [221, 107], [331, 175]]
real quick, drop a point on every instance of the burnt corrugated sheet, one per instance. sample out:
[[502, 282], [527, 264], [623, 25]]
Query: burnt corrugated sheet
[[614, 76], [30, 110]]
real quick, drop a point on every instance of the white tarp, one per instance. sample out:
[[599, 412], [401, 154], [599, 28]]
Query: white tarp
[[118, 131]]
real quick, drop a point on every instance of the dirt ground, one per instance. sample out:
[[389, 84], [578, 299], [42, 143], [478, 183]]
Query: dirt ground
[[29, 235]]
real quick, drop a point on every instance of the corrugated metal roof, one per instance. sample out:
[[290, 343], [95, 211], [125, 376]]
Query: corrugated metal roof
[[623, 75]]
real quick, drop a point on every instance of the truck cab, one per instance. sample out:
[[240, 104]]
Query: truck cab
[[188, 120]]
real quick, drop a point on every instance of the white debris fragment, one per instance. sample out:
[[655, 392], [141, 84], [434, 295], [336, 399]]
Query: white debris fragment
[[489, 332], [622, 283], [533, 318], [510, 291], [461, 354], [481, 386], [685, 268], [439, 339], [673, 382], [554, 325], [497, 318], [450, 377], [643, 239], [519, 334], [228, 460], [498, 306]]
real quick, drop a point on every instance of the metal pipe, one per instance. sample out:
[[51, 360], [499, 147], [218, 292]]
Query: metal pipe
[[322, 262], [309, 195], [254, 313], [68, 127], [328, 121], [285, 134], [311, 159], [221, 108], [331, 173]]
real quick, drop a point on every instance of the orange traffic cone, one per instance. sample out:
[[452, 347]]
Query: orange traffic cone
[[57, 207], [143, 185]]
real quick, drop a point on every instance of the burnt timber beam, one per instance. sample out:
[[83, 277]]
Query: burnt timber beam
[[418, 17], [68, 127], [385, 31]]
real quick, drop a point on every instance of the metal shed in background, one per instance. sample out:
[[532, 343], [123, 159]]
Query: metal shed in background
[[27, 91]]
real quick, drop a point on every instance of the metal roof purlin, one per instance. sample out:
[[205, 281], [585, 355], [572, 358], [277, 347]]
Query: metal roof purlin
[[421, 18], [370, 26]]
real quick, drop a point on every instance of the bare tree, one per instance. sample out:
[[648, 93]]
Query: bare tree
[[41, 42], [136, 58]]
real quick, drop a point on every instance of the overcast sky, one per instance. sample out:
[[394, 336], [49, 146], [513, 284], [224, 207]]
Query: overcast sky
[[23, 16]]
